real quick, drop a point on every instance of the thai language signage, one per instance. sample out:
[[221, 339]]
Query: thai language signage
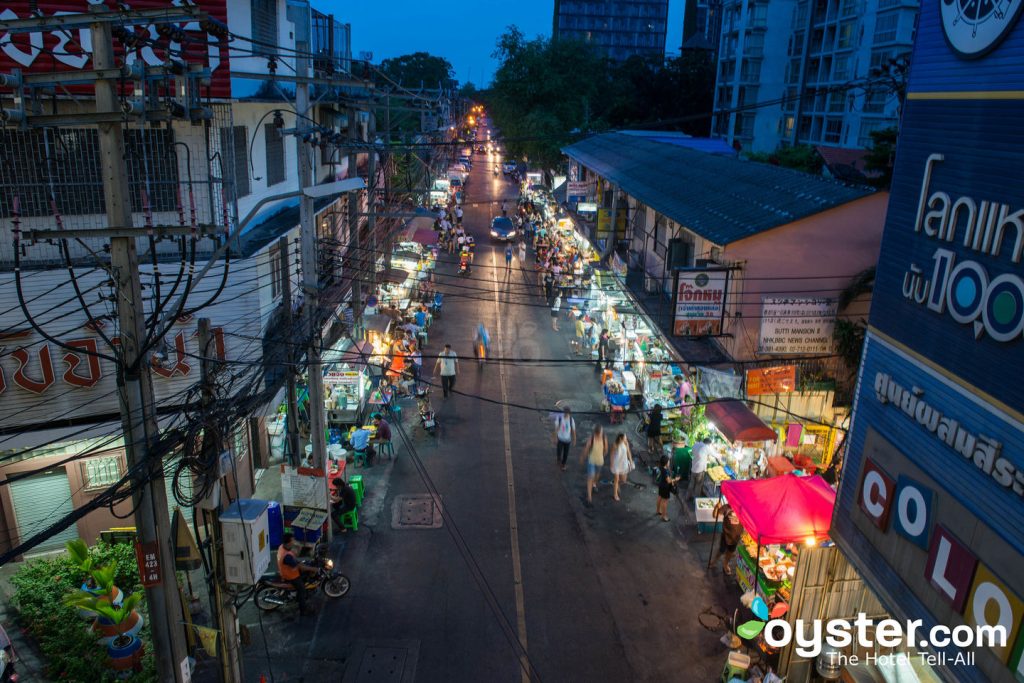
[[699, 302], [796, 325], [777, 380], [71, 50]]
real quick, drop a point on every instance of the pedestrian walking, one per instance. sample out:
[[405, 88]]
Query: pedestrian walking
[[666, 487], [622, 463], [549, 286], [603, 342], [448, 363], [522, 253], [458, 215], [565, 436], [698, 466], [654, 431], [556, 305], [508, 256], [593, 455]]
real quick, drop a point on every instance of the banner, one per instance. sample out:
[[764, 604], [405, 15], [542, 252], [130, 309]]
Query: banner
[[778, 380], [717, 384], [208, 637], [604, 222], [795, 325], [699, 302]]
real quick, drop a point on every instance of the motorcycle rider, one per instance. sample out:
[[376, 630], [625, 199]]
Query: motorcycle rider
[[291, 571], [481, 337]]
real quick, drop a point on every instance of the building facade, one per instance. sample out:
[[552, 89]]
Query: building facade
[[620, 28], [60, 427], [819, 72], [702, 25], [930, 508]]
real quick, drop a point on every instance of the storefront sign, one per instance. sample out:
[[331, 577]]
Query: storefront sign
[[341, 377], [586, 207], [981, 450], [71, 50], [699, 302], [777, 380], [796, 325], [578, 191], [604, 222]]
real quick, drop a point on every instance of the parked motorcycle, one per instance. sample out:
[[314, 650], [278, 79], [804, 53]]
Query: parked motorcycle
[[272, 593], [427, 419], [7, 659]]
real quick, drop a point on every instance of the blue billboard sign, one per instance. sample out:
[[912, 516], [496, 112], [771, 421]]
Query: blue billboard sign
[[931, 503]]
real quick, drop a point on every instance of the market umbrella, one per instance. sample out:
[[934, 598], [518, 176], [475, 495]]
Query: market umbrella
[[783, 509], [737, 422]]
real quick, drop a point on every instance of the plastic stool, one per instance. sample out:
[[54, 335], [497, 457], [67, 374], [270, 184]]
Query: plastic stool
[[396, 412], [387, 446], [617, 415], [356, 482], [359, 458], [350, 520], [735, 667]]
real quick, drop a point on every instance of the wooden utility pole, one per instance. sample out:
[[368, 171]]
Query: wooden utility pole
[[224, 605], [292, 417], [356, 256], [135, 383]]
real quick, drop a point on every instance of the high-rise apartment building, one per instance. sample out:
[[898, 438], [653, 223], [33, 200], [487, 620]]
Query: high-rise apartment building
[[621, 28], [702, 25], [806, 71]]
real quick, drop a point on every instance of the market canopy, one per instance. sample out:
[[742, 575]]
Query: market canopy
[[737, 422], [784, 509], [377, 323]]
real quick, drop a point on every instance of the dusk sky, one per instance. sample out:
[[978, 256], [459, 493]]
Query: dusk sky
[[463, 32]]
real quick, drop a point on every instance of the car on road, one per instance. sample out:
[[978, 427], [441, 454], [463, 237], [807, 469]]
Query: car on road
[[508, 167], [502, 229]]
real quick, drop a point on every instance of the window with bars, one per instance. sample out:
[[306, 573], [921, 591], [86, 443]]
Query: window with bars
[[100, 472], [63, 164], [274, 142], [234, 159], [264, 26], [276, 279]]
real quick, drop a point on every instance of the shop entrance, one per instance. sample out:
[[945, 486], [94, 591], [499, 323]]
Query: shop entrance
[[34, 499]]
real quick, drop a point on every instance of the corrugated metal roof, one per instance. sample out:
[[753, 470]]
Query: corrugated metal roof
[[717, 197]]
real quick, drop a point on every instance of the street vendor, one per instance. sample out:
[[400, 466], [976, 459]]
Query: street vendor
[[732, 532]]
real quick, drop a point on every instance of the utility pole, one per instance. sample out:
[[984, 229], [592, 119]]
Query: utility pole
[[135, 382], [309, 244], [371, 183], [294, 447], [357, 256], [224, 607]]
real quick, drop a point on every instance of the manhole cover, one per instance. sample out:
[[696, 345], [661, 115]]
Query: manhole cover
[[577, 405], [419, 511], [382, 664]]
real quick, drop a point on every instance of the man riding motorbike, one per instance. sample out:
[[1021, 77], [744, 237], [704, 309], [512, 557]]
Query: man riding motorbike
[[481, 342]]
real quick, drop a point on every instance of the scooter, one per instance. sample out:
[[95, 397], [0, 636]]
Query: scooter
[[464, 268], [7, 659], [427, 419], [272, 593]]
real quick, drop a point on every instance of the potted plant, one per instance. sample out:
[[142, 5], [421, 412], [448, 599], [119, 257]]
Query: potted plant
[[118, 625], [98, 581], [106, 595]]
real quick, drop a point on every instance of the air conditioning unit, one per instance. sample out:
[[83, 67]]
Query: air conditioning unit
[[245, 534]]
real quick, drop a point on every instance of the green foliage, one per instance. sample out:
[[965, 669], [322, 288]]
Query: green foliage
[[69, 649], [101, 605], [849, 338], [419, 69], [545, 93], [800, 157], [881, 155]]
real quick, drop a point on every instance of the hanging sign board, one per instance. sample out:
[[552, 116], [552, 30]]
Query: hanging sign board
[[777, 380], [699, 302], [796, 325], [303, 487]]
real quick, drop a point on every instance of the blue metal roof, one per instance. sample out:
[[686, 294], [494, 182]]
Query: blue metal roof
[[720, 198]]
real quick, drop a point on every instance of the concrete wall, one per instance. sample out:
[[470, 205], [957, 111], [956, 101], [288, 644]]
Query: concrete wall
[[815, 256]]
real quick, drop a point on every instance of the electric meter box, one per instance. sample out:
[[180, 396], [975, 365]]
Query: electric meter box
[[245, 534]]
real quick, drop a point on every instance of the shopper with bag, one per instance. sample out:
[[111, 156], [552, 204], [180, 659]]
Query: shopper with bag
[[622, 463], [565, 436], [666, 487]]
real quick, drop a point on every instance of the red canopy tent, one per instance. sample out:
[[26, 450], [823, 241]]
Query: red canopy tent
[[783, 509], [737, 422]]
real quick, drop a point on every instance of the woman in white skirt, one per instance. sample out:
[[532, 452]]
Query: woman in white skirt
[[622, 463]]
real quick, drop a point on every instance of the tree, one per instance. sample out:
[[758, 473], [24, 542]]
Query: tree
[[881, 155], [419, 69], [800, 157], [848, 332]]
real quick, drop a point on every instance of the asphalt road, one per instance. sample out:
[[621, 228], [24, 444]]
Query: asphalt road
[[608, 593]]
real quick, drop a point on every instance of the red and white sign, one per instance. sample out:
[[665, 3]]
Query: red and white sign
[[148, 557], [44, 385], [71, 49], [700, 302]]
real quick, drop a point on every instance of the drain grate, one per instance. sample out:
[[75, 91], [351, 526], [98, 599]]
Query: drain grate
[[417, 511], [382, 664]]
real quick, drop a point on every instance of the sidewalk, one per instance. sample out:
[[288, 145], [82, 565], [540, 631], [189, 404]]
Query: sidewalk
[[29, 666]]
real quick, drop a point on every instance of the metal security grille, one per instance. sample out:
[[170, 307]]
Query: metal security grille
[[264, 26], [274, 142], [234, 152], [56, 171]]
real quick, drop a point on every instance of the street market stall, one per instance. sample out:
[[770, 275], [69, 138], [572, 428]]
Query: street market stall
[[741, 452], [782, 517], [347, 384]]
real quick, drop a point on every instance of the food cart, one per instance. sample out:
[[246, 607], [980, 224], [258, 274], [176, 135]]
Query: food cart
[[741, 454], [347, 384]]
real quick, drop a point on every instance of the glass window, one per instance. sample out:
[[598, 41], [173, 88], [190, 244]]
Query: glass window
[[276, 281], [886, 26], [755, 44], [833, 130], [841, 68], [264, 26], [101, 472], [847, 34]]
